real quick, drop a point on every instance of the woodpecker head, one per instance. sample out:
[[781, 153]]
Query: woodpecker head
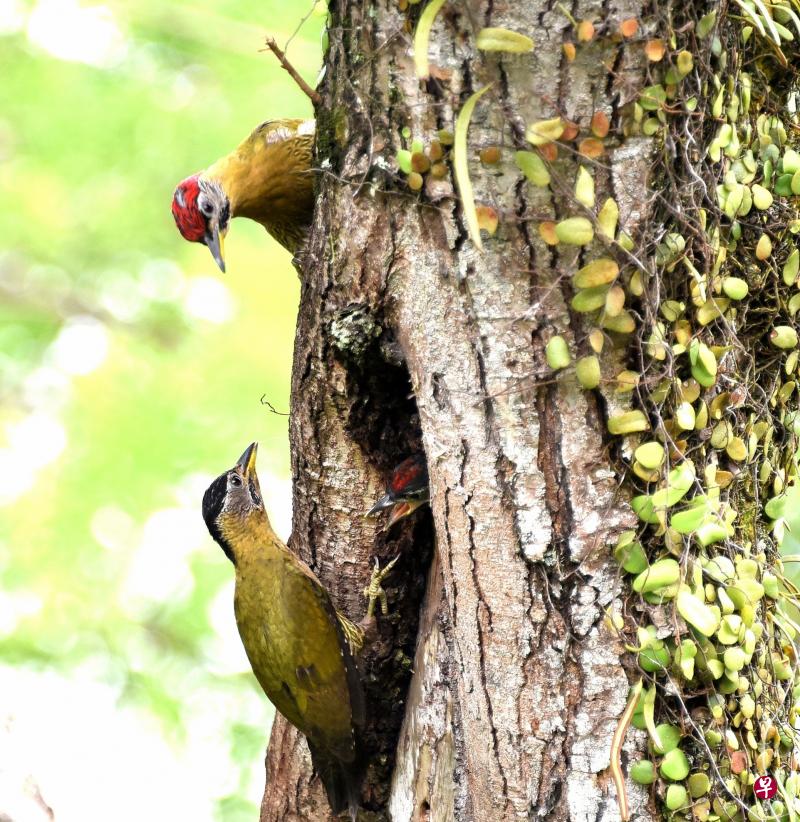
[[407, 490], [232, 504], [202, 213]]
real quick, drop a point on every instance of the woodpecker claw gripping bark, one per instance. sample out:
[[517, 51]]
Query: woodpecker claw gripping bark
[[374, 591]]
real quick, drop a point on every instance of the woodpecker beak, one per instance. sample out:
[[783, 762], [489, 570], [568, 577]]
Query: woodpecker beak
[[381, 505], [247, 462], [216, 245], [403, 510]]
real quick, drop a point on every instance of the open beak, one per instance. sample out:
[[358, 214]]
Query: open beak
[[247, 462], [216, 245], [402, 510], [381, 505]]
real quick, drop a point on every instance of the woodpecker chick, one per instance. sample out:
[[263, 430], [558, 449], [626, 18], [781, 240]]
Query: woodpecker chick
[[267, 178], [407, 490], [298, 645]]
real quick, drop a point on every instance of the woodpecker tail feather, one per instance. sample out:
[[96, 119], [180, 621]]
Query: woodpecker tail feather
[[342, 781]]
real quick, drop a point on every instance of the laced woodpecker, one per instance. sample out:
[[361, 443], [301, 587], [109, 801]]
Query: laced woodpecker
[[267, 178], [407, 490], [300, 647]]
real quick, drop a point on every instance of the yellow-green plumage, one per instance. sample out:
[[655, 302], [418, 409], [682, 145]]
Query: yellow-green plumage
[[268, 179], [297, 644], [290, 633]]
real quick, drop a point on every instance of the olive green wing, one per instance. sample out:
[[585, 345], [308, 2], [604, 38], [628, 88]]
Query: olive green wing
[[312, 679], [281, 152], [275, 131]]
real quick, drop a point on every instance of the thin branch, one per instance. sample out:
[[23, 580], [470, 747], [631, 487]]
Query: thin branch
[[271, 407], [312, 95]]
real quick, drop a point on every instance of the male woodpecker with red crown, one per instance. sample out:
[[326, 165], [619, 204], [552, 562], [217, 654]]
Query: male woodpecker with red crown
[[267, 178]]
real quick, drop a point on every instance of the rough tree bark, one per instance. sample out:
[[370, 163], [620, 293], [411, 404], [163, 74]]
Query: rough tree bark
[[494, 685]]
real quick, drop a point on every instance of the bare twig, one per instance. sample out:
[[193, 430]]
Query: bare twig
[[271, 407], [312, 95], [303, 20]]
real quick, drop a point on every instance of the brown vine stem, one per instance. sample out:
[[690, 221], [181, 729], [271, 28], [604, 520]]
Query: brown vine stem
[[616, 747]]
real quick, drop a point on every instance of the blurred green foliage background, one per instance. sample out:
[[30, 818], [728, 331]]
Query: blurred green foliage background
[[131, 373]]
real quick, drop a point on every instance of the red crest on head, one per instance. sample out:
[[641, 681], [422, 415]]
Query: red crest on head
[[410, 476], [190, 221]]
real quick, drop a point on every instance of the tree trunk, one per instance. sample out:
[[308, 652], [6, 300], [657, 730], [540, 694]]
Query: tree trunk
[[494, 685]]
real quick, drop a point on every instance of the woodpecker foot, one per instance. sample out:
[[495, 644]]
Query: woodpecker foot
[[374, 591]]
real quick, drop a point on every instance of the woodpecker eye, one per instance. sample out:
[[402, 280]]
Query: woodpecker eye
[[236, 480], [206, 206]]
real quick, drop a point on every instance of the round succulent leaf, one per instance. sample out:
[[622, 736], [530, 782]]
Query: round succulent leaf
[[533, 167], [499, 39], [710, 532], [736, 449], [545, 131], [589, 299], [702, 376], [762, 197], [763, 247], [653, 659], [676, 797], [601, 271], [747, 706], [615, 301], [669, 737], [659, 575], [584, 187], [791, 161], [783, 185], [698, 784], [675, 766], [587, 369], [745, 592], [631, 557], [650, 454], [628, 422], [695, 612], [607, 218], [403, 159], [642, 506], [643, 772], [728, 633], [621, 324], [791, 267], [735, 287], [575, 231], [685, 416], [734, 659], [652, 97], [557, 353], [691, 518], [783, 336], [596, 340]]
